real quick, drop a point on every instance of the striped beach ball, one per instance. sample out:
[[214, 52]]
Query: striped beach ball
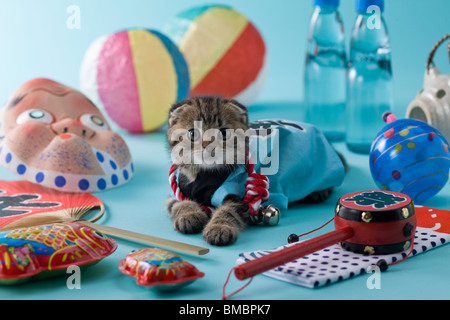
[[411, 157], [225, 52], [135, 75]]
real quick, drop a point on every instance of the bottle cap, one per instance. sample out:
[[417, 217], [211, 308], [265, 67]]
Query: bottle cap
[[326, 3], [362, 5]]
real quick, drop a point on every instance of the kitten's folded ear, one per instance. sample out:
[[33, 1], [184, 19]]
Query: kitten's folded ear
[[240, 109], [175, 112]]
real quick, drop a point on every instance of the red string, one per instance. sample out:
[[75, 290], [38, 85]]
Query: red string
[[304, 234], [225, 297]]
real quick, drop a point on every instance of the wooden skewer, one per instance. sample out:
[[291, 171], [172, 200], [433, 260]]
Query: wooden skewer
[[139, 237]]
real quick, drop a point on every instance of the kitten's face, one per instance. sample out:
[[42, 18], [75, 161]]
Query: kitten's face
[[208, 133]]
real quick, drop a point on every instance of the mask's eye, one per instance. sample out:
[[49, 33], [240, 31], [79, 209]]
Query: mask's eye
[[194, 135], [225, 134], [35, 115], [93, 122]]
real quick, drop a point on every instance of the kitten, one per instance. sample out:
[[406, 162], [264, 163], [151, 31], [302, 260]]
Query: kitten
[[199, 177]]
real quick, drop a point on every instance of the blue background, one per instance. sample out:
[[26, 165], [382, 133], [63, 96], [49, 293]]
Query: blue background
[[35, 42]]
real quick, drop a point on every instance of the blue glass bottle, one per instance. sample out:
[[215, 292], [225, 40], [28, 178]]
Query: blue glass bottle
[[369, 82], [325, 70]]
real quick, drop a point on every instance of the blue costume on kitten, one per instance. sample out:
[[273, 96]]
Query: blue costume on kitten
[[296, 157]]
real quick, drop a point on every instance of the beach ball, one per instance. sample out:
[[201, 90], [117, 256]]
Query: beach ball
[[411, 157], [135, 75], [225, 52]]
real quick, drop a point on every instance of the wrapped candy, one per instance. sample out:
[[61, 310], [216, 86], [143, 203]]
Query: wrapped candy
[[160, 269]]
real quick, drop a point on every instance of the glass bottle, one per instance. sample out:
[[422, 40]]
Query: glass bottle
[[325, 70], [369, 77]]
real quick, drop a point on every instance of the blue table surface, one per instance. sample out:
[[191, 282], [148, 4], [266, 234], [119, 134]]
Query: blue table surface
[[139, 206]]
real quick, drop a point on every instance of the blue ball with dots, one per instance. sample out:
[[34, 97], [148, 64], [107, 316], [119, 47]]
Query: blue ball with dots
[[411, 157]]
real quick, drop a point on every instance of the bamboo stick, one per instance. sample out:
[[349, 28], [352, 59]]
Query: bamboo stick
[[151, 240]]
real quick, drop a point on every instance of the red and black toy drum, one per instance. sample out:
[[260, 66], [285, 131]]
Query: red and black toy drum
[[384, 221]]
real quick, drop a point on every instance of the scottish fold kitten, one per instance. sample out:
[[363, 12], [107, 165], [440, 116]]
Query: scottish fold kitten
[[199, 134], [198, 178]]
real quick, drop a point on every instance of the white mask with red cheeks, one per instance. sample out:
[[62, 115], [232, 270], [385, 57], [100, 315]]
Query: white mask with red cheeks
[[55, 136]]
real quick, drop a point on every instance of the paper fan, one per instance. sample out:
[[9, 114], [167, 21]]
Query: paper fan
[[26, 204]]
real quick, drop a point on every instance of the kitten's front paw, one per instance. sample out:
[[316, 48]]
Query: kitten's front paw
[[220, 234], [188, 217]]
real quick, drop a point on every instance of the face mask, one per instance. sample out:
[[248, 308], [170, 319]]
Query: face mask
[[55, 136]]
